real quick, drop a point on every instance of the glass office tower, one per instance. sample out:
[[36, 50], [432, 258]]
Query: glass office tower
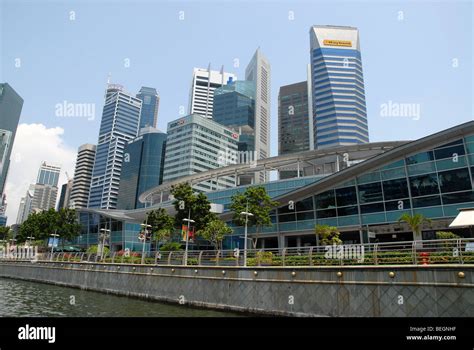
[[119, 124], [10, 108], [142, 168], [150, 103], [339, 110], [234, 107]]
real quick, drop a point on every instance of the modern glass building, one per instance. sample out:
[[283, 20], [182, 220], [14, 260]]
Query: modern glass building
[[46, 188], [295, 132], [65, 195], [82, 175], [364, 198], [119, 124], [201, 95], [258, 71], [234, 107], [339, 110], [150, 103], [142, 168], [10, 108], [197, 144]]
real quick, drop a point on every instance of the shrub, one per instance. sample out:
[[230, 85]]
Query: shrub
[[171, 246], [94, 248]]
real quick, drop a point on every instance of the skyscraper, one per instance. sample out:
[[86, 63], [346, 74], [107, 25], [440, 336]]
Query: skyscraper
[[234, 107], [119, 124], [196, 144], [295, 132], [150, 103], [142, 168], [204, 82], [338, 87], [259, 72], [46, 187], [3, 209], [65, 195], [25, 205], [10, 108], [82, 176]]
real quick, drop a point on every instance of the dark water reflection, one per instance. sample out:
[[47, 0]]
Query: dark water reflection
[[31, 299]]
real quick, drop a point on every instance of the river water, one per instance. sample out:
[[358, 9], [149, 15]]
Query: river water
[[31, 299]]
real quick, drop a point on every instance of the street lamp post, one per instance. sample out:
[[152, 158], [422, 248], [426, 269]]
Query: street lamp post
[[247, 214], [104, 236], [145, 231], [29, 240], [189, 221], [54, 235]]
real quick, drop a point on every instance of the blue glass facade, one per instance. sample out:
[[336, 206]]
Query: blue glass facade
[[48, 176], [150, 103], [339, 110], [434, 183], [119, 124], [123, 234], [435, 179], [234, 107], [142, 168], [10, 108]]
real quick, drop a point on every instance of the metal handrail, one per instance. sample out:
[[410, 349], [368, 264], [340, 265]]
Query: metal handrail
[[451, 251]]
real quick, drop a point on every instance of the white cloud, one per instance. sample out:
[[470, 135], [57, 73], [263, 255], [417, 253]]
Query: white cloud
[[35, 143]]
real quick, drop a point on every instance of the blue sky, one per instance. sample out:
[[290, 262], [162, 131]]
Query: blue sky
[[404, 61]]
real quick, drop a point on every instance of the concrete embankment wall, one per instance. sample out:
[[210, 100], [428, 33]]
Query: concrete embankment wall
[[414, 291]]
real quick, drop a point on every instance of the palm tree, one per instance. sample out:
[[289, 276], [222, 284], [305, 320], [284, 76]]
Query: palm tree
[[415, 223]]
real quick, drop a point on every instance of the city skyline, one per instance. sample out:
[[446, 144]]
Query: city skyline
[[383, 126]]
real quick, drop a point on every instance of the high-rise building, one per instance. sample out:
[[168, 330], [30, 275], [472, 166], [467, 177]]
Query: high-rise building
[[204, 82], [150, 103], [46, 187], [82, 176], [259, 72], [3, 209], [295, 131], [65, 196], [10, 108], [142, 168], [25, 205], [119, 124], [196, 144], [340, 116], [234, 107]]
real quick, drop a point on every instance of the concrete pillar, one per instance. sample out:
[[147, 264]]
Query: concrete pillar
[[281, 241], [298, 241]]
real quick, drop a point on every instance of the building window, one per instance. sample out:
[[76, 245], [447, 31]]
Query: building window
[[400, 204], [449, 152], [329, 213], [394, 189], [325, 200], [429, 201], [454, 180], [424, 185], [459, 197], [420, 158], [346, 196], [370, 193], [352, 210], [371, 208]]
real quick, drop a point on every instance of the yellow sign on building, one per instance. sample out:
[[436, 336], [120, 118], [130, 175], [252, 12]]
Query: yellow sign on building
[[345, 43]]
